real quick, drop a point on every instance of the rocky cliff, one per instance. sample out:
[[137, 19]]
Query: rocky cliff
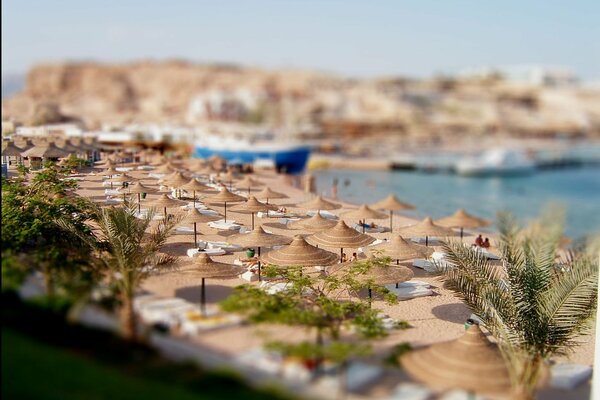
[[139, 92]]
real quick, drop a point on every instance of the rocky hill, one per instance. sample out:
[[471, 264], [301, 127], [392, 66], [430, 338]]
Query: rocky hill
[[182, 92]]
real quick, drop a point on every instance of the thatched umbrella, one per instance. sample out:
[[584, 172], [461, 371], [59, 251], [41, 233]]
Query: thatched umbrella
[[195, 186], [44, 151], [139, 188], [267, 194], [300, 253], [363, 213], [470, 362], [12, 150], [259, 238], [122, 179], [224, 196], [461, 219], [318, 203], [391, 204], [399, 249], [252, 206], [165, 168], [165, 202], [194, 216], [227, 177], [204, 267], [342, 236], [316, 223], [426, 228], [248, 183], [176, 180]]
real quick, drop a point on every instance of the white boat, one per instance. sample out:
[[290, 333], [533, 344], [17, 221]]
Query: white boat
[[496, 162]]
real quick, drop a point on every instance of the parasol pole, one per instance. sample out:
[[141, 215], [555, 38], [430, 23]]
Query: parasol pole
[[195, 235], [203, 297]]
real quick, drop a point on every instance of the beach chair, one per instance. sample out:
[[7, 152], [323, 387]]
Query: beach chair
[[410, 290], [224, 226], [410, 391], [569, 376]]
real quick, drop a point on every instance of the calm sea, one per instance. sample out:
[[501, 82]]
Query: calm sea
[[438, 195]]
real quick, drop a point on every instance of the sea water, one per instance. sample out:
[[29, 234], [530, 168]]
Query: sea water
[[439, 195]]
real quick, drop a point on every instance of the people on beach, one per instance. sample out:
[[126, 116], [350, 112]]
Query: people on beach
[[486, 243], [334, 189], [479, 241], [344, 258], [282, 210], [354, 257]]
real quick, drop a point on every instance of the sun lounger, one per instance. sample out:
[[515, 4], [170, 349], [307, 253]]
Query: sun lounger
[[358, 375], [569, 376], [286, 220], [410, 391], [458, 394], [193, 322], [145, 167], [249, 276], [185, 230], [124, 169], [199, 206], [408, 290], [368, 229], [274, 287], [156, 176], [224, 226], [224, 245], [112, 192], [211, 252]]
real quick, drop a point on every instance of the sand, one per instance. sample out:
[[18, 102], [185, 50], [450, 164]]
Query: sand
[[432, 319]]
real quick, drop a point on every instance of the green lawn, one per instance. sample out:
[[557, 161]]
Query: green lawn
[[33, 370]]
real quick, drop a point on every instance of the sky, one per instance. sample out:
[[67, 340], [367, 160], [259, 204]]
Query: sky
[[353, 38]]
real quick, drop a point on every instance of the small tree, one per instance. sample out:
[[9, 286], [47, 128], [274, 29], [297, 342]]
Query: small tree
[[129, 254], [320, 302], [32, 240], [536, 304]]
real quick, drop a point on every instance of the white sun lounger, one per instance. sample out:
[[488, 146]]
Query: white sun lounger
[[185, 230], [407, 291], [430, 240], [211, 252], [569, 376], [112, 192], [410, 391], [224, 226], [145, 167], [124, 169]]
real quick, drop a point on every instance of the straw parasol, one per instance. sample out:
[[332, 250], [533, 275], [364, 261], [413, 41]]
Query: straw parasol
[[300, 253], [248, 183], [165, 202], [363, 213], [252, 206], [399, 249], [342, 236], [316, 223], [259, 238], [426, 228], [204, 267], [461, 219], [470, 362], [12, 150], [165, 168], [195, 186], [139, 188], [48, 150], [267, 194], [224, 196], [175, 180], [227, 177], [391, 203], [194, 216], [318, 203]]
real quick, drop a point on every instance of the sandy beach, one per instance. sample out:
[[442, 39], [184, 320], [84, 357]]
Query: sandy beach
[[433, 319]]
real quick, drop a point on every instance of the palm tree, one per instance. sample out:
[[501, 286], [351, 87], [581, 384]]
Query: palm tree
[[129, 254], [535, 304]]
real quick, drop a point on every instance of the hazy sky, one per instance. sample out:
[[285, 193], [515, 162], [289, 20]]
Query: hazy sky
[[355, 38]]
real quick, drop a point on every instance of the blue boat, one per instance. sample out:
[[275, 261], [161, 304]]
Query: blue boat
[[289, 158]]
